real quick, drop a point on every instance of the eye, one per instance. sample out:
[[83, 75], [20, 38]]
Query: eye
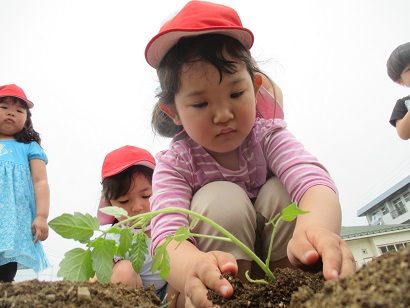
[[146, 197], [237, 94], [200, 105], [123, 201]]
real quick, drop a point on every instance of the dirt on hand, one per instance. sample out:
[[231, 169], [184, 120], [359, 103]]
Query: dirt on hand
[[383, 282]]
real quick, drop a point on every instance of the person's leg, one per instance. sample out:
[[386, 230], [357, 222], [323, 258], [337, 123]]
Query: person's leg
[[8, 271], [163, 293], [123, 272], [271, 200], [226, 204]]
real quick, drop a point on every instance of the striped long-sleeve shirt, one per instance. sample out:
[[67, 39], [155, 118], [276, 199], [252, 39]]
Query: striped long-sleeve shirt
[[270, 149]]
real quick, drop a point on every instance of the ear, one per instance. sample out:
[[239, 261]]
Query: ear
[[170, 111], [257, 82]]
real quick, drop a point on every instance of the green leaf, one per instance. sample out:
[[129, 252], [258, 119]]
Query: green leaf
[[102, 259], [182, 234], [160, 261], [114, 230], [76, 265], [100, 241], [78, 227], [138, 251], [125, 241], [291, 212], [115, 211]]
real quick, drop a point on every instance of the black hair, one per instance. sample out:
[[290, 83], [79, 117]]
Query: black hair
[[398, 60], [119, 184], [27, 134], [209, 48]]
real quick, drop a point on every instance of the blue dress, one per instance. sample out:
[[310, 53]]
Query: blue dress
[[18, 207]]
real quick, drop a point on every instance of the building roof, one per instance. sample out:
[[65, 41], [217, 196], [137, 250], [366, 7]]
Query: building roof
[[365, 231], [362, 211]]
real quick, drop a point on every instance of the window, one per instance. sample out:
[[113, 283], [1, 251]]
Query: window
[[393, 247], [376, 219], [399, 208], [385, 210], [399, 246], [406, 196], [397, 202]]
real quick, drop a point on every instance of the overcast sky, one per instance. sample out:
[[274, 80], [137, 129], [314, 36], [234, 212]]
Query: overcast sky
[[82, 64]]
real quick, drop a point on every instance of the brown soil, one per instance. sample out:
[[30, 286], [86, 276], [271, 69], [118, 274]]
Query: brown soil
[[41, 294], [384, 282]]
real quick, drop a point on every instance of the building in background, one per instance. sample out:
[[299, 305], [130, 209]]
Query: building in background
[[391, 207], [388, 217], [368, 242]]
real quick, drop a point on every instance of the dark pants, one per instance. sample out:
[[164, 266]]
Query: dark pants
[[8, 272]]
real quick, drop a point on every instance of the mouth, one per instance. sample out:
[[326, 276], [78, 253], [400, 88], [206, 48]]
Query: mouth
[[9, 121], [226, 131]]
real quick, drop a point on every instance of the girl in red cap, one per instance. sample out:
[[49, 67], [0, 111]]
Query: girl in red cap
[[24, 194], [228, 166], [398, 69], [126, 183]]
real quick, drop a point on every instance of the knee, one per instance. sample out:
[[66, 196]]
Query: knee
[[225, 203]]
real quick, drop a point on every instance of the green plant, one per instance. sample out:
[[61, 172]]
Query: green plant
[[81, 264]]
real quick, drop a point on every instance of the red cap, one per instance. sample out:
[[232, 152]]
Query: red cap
[[15, 91], [196, 18], [116, 162]]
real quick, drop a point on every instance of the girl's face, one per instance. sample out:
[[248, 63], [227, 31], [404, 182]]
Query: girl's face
[[136, 201], [405, 76], [217, 115], [13, 116]]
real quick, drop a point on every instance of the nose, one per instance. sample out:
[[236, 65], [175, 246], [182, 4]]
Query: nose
[[10, 113], [137, 207], [223, 114]]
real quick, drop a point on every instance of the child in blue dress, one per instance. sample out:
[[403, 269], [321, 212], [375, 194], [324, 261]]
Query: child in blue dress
[[24, 190]]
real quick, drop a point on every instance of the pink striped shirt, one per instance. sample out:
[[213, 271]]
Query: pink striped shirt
[[269, 149]]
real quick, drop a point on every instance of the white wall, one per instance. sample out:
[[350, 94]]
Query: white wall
[[365, 248]]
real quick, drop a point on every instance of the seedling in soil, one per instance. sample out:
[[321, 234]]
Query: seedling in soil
[[81, 264]]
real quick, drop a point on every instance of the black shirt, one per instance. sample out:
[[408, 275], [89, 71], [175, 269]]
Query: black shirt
[[399, 110]]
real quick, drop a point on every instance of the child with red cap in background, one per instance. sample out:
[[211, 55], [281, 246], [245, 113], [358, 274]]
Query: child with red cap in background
[[229, 164], [127, 183], [24, 190]]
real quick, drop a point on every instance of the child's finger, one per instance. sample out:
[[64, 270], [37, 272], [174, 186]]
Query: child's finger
[[348, 263], [337, 259], [302, 254], [37, 235]]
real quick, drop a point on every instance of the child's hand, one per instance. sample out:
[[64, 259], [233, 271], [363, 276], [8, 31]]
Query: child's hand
[[207, 274], [308, 246], [39, 229]]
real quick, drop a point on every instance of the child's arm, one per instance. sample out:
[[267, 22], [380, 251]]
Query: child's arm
[[316, 235], [193, 272], [42, 196], [403, 127]]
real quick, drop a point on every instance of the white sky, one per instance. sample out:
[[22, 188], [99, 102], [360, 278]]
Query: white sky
[[82, 64]]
